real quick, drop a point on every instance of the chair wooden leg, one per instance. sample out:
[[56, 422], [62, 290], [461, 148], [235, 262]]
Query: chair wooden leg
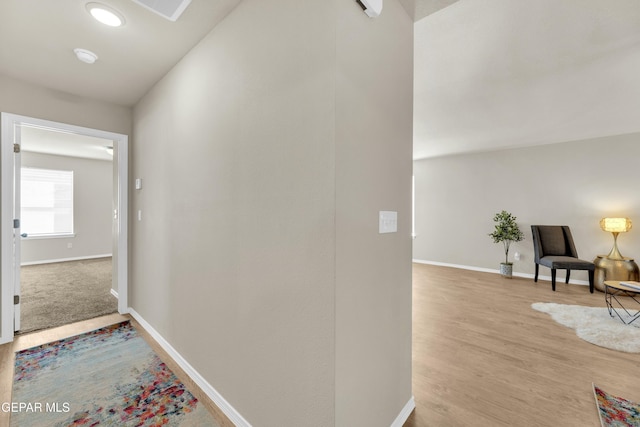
[[567, 278], [535, 278], [553, 279], [591, 281]]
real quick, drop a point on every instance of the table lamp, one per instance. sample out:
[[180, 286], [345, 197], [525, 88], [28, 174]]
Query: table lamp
[[615, 226]]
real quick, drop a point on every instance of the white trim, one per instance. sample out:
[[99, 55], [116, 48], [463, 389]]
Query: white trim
[[231, 413], [6, 229], [49, 236], [463, 267], [404, 414], [122, 223], [114, 292], [9, 121], [413, 206], [80, 258], [489, 270]]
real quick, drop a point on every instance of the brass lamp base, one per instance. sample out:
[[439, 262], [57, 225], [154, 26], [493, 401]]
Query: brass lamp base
[[614, 269]]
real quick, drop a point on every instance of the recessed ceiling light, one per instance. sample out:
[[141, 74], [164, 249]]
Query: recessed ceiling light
[[85, 55], [105, 14]]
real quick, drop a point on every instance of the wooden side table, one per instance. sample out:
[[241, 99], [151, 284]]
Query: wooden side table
[[614, 269]]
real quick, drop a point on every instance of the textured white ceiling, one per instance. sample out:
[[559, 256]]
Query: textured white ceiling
[[506, 73], [418, 9], [38, 37], [488, 74]]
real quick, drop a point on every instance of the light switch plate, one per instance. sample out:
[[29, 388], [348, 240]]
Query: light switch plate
[[388, 222]]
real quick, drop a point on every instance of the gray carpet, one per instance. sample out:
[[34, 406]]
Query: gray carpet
[[65, 292]]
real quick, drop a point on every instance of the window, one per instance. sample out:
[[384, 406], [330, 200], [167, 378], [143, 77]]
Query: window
[[46, 202]]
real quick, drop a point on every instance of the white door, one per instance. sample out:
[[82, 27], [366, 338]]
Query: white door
[[10, 237], [16, 229]]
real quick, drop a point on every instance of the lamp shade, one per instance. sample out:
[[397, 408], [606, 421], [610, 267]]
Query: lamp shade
[[615, 225]]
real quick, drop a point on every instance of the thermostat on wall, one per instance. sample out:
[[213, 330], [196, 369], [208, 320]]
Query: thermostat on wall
[[372, 8]]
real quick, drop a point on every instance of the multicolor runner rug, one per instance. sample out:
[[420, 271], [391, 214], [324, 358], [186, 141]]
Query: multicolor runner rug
[[109, 376], [616, 411]]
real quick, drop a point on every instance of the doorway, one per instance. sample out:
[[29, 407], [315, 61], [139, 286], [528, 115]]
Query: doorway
[[13, 127]]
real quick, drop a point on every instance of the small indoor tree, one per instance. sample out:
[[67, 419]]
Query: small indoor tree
[[506, 232]]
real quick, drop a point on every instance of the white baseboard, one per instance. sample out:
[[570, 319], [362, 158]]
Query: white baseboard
[[404, 414], [114, 293], [51, 261], [496, 271], [231, 413]]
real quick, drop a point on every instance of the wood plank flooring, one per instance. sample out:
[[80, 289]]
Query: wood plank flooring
[[21, 342], [483, 357]]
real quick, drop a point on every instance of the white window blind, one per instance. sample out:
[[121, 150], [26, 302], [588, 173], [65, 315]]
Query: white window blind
[[46, 202]]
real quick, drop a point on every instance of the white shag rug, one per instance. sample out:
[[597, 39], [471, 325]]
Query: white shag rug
[[595, 325]]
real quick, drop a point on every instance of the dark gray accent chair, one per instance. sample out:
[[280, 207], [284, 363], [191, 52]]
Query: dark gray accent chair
[[553, 247]]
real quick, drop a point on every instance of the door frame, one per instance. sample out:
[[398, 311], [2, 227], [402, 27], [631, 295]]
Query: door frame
[[8, 122]]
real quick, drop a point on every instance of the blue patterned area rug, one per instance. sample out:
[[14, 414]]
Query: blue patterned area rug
[[109, 376]]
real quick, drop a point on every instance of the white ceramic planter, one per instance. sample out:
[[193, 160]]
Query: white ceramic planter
[[506, 270]]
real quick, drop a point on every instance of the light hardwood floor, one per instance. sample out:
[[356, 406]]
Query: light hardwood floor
[[21, 342], [483, 357]]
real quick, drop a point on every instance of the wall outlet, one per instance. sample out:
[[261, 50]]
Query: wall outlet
[[69, 245]]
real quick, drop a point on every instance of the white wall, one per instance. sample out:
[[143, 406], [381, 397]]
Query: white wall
[[92, 210], [374, 135], [34, 101], [572, 183], [265, 144]]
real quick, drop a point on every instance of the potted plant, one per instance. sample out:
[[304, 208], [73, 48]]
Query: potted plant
[[506, 232]]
